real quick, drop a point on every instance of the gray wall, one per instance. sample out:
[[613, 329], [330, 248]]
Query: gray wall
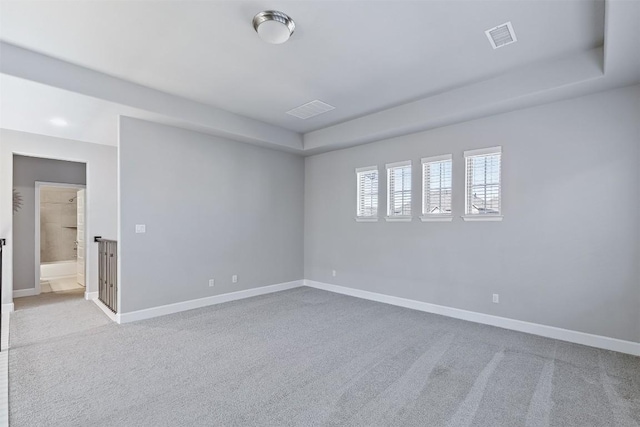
[[212, 208], [26, 171], [567, 253]]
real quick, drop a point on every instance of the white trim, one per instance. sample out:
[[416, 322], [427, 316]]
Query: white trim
[[436, 218], [118, 222], [115, 317], [93, 296], [483, 151], [481, 217], [8, 307], [90, 296], [39, 184], [398, 218], [398, 164], [583, 338], [435, 159], [19, 293], [367, 169], [204, 302], [366, 219], [4, 340]]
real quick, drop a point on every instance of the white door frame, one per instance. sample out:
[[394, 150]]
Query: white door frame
[[39, 184]]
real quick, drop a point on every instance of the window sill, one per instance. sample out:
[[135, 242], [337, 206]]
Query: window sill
[[366, 219], [398, 218], [482, 217], [436, 218]]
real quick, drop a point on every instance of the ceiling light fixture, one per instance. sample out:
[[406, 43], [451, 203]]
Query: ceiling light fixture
[[58, 122], [273, 27]]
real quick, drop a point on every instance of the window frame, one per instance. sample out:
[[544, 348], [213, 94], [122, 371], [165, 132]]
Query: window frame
[[469, 154], [366, 218], [399, 218], [430, 217]]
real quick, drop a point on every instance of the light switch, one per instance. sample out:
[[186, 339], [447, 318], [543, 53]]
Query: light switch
[[141, 228]]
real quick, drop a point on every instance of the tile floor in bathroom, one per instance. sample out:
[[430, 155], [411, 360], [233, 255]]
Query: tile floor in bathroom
[[64, 284]]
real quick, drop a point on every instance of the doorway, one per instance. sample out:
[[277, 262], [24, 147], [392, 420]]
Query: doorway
[[60, 238]]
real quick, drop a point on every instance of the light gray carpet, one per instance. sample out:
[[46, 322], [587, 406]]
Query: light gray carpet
[[305, 357], [47, 298]]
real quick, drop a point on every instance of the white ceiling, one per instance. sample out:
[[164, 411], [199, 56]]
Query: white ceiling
[[360, 57]]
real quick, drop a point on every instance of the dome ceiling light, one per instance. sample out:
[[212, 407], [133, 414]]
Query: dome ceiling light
[[57, 121], [273, 27]]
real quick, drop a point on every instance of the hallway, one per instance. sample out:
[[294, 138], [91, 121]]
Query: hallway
[[50, 296]]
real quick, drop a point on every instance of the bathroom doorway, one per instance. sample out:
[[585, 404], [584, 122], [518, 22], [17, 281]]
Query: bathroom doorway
[[60, 238]]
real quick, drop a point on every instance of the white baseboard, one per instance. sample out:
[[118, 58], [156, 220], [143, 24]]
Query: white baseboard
[[19, 293], [583, 338], [203, 302], [110, 314], [7, 308], [4, 340], [93, 296]]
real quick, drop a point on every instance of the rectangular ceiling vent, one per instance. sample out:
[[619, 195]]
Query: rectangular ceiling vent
[[310, 109], [501, 35]]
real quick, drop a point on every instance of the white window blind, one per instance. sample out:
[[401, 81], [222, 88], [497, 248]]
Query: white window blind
[[483, 191], [367, 192], [436, 185], [399, 189]]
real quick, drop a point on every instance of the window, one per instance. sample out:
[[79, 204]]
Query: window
[[483, 192], [436, 188], [367, 193], [399, 191]]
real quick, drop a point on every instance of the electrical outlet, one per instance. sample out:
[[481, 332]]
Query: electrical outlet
[[333, 273], [141, 228], [234, 278], [211, 283], [496, 298]]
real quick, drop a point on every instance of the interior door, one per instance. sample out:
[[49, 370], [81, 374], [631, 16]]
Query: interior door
[[80, 237]]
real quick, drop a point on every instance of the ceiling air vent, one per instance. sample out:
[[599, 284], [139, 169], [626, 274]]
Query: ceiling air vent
[[310, 109], [501, 35]]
